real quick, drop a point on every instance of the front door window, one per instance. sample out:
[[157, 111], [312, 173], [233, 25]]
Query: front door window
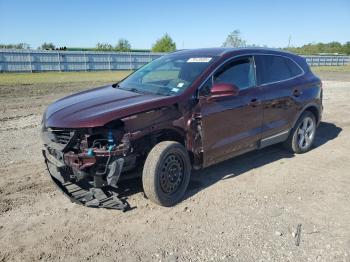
[[239, 72]]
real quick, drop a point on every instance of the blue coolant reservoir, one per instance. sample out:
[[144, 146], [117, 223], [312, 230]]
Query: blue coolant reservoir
[[90, 152], [111, 142]]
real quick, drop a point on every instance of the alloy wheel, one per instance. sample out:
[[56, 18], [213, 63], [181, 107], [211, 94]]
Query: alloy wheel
[[306, 133]]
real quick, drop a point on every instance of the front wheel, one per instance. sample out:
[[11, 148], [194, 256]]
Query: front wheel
[[166, 173], [303, 134]]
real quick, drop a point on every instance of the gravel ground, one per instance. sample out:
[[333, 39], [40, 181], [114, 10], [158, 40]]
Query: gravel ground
[[244, 209]]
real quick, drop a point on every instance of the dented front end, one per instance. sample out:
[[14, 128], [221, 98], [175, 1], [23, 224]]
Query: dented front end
[[95, 158], [89, 159], [89, 153]]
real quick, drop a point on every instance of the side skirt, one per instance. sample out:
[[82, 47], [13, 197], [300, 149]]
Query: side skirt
[[271, 140]]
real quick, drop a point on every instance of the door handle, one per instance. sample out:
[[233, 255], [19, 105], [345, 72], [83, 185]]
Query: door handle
[[297, 92], [254, 102]]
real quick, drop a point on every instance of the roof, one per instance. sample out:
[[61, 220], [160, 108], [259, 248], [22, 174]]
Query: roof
[[220, 51]]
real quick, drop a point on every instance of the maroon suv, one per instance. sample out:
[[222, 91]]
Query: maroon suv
[[186, 110]]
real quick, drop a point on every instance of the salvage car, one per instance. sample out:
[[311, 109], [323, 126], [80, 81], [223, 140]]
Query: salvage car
[[185, 110]]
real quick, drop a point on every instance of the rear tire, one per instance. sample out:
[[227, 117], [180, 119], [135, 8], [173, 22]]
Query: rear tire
[[166, 173], [302, 135]]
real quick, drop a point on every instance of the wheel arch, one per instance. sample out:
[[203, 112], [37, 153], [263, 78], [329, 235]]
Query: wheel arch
[[169, 134], [313, 108], [173, 134]]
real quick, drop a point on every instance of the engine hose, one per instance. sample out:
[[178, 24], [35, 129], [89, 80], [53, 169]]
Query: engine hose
[[106, 167]]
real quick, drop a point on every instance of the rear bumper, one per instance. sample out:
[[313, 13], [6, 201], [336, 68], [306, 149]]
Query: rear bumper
[[82, 192]]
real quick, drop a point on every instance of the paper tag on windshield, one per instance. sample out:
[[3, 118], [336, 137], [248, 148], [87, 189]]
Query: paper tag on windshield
[[175, 89], [199, 60]]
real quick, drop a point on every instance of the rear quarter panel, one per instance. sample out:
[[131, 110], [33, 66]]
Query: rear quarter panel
[[311, 87]]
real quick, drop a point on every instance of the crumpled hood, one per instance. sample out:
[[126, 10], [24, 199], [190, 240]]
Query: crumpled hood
[[97, 107]]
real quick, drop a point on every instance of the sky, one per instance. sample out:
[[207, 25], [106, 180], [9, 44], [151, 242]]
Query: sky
[[190, 23]]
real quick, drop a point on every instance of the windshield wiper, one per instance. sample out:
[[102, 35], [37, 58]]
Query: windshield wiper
[[135, 90], [162, 94], [115, 85]]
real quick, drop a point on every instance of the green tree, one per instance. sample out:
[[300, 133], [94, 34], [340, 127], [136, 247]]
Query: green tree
[[23, 46], [346, 48], [123, 45], [104, 46], [47, 46], [15, 46], [164, 44], [234, 40], [321, 48]]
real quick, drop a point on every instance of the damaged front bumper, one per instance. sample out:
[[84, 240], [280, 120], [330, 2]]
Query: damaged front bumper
[[83, 192], [88, 176]]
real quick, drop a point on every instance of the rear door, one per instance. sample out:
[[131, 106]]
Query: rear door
[[231, 125], [278, 79]]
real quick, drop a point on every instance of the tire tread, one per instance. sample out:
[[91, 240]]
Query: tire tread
[[149, 177]]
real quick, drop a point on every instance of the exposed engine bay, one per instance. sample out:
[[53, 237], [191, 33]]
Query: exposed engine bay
[[94, 157]]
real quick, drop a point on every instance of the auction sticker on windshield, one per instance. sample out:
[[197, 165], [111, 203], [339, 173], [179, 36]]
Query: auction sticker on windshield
[[199, 60]]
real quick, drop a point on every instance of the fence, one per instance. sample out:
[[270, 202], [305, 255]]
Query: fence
[[39, 61], [327, 60]]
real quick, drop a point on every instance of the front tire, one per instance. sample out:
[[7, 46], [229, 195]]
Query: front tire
[[166, 173], [303, 134]]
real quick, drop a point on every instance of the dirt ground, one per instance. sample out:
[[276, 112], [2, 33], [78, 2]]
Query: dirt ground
[[245, 209]]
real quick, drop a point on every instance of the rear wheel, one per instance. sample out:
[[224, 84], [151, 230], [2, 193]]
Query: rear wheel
[[303, 134], [166, 173]]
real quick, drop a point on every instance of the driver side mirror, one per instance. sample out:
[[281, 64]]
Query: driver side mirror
[[223, 90]]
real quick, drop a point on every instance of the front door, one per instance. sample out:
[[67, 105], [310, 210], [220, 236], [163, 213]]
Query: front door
[[231, 125]]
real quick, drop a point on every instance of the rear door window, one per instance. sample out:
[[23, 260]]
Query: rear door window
[[273, 68]]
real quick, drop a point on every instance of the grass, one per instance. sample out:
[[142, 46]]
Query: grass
[[11, 79], [38, 84], [342, 69], [333, 73]]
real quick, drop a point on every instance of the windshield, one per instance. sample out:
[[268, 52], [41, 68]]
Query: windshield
[[168, 75]]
